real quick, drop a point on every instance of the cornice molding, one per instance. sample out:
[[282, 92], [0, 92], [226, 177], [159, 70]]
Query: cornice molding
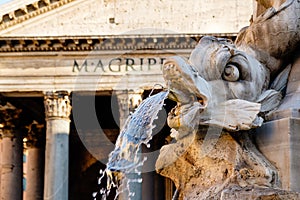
[[28, 11], [104, 43]]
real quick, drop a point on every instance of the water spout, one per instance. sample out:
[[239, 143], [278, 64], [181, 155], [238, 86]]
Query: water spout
[[127, 158]]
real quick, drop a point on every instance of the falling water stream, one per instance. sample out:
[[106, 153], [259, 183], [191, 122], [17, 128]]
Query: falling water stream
[[126, 157]]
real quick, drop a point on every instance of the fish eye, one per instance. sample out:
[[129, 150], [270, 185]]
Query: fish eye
[[231, 72]]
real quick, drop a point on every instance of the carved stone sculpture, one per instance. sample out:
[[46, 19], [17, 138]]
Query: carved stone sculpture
[[222, 92]]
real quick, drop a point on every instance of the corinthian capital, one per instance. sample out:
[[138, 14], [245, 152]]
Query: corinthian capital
[[35, 137], [57, 105], [129, 100], [9, 116]]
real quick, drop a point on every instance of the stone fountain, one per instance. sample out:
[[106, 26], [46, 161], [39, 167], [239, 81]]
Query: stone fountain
[[224, 92]]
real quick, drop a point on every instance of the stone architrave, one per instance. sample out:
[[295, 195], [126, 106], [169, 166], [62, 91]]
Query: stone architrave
[[11, 153], [57, 110], [128, 101], [35, 147]]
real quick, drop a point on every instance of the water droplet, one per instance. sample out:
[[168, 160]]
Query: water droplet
[[131, 194], [102, 191], [94, 194]]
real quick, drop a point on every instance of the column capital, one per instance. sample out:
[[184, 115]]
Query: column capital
[[9, 116], [134, 99], [57, 105], [35, 137], [122, 97], [129, 99]]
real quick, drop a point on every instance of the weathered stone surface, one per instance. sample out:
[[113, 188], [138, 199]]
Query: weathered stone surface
[[279, 23], [204, 168], [258, 194], [279, 141], [219, 72], [103, 17], [58, 71]]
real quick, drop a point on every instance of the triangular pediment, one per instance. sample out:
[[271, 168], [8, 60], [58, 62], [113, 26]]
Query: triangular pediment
[[107, 17]]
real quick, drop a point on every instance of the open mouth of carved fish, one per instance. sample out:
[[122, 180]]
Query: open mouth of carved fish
[[185, 85], [189, 90]]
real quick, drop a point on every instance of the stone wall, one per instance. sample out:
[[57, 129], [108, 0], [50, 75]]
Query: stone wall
[[105, 17]]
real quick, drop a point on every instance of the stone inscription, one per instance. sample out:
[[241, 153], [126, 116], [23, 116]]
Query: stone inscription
[[118, 64]]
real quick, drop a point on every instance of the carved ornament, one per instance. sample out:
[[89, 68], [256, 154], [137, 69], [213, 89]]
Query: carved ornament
[[35, 136], [28, 11], [57, 105], [223, 91], [102, 43], [9, 116]]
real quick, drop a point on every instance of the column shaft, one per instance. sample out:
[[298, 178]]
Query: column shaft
[[35, 173], [11, 167], [35, 150], [11, 153]]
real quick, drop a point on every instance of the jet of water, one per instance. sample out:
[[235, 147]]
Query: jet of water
[[126, 158]]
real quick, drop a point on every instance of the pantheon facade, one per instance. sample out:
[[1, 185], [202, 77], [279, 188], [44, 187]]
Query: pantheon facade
[[71, 71]]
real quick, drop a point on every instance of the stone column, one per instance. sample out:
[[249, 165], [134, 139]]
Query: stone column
[[57, 111], [35, 147], [11, 153], [169, 189], [122, 98], [128, 101]]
